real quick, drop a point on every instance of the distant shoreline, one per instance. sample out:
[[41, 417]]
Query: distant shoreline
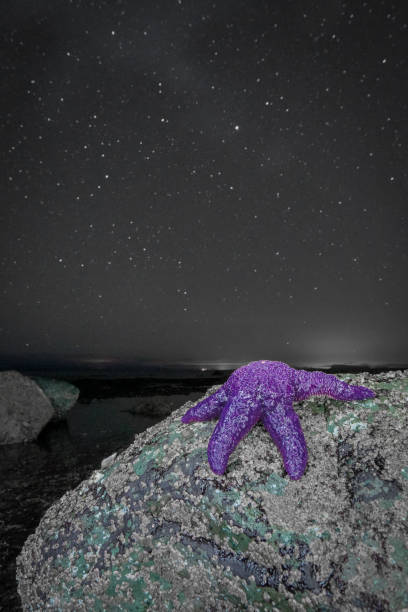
[[173, 373]]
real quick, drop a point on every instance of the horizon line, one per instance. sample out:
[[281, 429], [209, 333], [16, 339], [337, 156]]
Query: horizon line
[[107, 364]]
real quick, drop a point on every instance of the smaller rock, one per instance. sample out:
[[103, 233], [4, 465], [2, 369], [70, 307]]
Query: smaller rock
[[62, 395], [24, 408]]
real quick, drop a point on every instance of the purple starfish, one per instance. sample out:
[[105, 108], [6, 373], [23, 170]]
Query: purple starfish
[[266, 390]]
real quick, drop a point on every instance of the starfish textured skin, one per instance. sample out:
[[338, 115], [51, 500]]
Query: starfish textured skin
[[266, 390]]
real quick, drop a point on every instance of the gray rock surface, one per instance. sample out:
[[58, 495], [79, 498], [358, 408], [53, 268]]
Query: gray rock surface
[[24, 408], [62, 394], [156, 529]]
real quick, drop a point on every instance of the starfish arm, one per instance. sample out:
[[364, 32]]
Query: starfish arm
[[283, 425], [209, 408], [237, 419], [318, 383]]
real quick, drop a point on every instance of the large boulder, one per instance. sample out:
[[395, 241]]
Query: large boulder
[[24, 408], [62, 395], [156, 529]]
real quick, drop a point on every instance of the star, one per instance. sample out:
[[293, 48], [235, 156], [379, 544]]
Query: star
[[266, 390]]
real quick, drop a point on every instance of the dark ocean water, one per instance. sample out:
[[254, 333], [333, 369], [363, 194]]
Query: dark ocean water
[[104, 420]]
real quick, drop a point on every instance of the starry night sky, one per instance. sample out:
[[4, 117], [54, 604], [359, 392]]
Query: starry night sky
[[204, 182]]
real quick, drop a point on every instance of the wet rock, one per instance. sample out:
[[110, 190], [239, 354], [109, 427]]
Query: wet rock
[[62, 395], [156, 529], [24, 408]]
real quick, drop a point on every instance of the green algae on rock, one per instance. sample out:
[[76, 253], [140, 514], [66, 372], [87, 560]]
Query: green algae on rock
[[62, 394], [156, 529]]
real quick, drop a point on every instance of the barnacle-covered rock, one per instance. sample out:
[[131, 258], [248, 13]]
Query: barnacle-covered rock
[[156, 529]]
